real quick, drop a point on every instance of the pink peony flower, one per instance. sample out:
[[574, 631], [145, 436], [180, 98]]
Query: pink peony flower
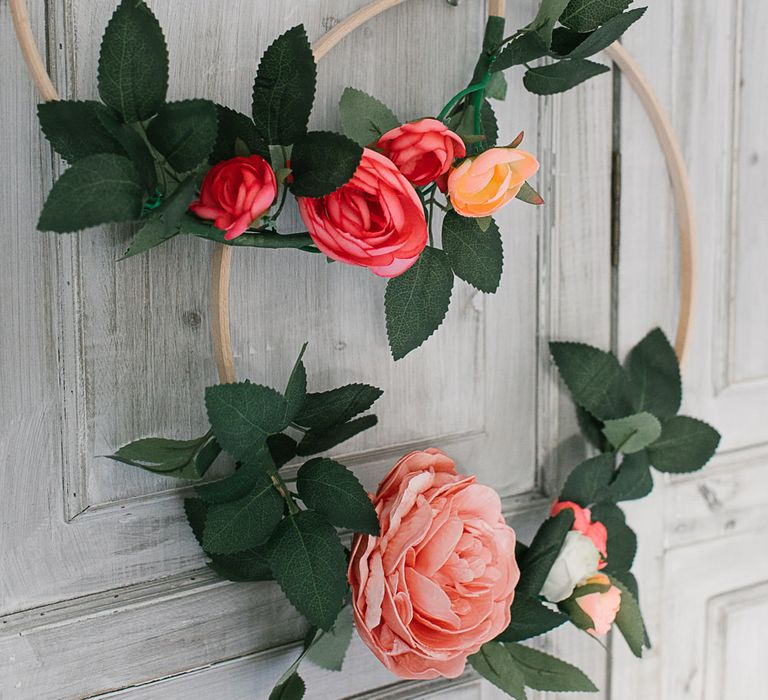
[[439, 581]]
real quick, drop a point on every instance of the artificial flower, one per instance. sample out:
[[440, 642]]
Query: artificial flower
[[480, 186], [439, 580], [375, 220], [422, 150], [582, 522], [601, 606], [577, 560], [236, 193]]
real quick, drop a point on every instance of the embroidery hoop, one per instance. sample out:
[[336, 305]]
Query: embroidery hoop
[[222, 256]]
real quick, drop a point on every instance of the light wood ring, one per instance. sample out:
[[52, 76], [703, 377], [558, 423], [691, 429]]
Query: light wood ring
[[222, 257]]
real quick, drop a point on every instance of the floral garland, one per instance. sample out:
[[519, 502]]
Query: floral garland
[[435, 576]]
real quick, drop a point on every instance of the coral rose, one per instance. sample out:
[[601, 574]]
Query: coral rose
[[601, 606], [439, 581], [376, 220], [582, 522], [479, 186], [235, 193], [422, 150]]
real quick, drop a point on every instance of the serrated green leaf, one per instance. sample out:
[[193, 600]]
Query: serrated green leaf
[[134, 145], [74, 129], [527, 47], [183, 459], [247, 522], [529, 195], [282, 448], [321, 162], [594, 42], [296, 389], [586, 15], [243, 415], [561, 76], [335, 492], [234, 127], [416, 302], [633, 479], [284, 89], [238, 484], [633, 433], [530, 618], [328, 649], [536, 562], [150, 235], [654, 376], [307, 560], [184, 132], [629, 619], [364, 119], [95, 190], [494, 663], [292, 688], [548, 13], [686, 444], [595, 379], [324, 409], [316, 441], [133, 62], [622, 541], [588, 482], [497, 87], [476, 255], [592, 429], [544, 672]]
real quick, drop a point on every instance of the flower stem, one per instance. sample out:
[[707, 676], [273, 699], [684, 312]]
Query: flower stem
[[466, 91]]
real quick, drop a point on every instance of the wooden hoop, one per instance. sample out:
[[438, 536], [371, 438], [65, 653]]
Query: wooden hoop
[[222, 257]]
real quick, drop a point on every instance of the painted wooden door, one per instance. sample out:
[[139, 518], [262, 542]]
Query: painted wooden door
[[103, 590]]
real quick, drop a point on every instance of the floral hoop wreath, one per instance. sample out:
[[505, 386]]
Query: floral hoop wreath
[[436, 576], [222, 257]]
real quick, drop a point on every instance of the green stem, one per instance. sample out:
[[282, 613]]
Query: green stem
[[283, 490], [445, 111]]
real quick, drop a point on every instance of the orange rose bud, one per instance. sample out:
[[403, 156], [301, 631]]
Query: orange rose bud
[[480, 186]]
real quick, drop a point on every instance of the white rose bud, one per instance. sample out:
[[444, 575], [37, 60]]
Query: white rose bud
[[577, 561]]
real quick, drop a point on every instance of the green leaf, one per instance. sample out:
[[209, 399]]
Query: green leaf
[[544, 672], [686, 444], [527, 47], [95, 190], [475, 254], [134, 146], [183, 459], [321, 440], [633, 433], [308, 561], [236, 129], [497, 87], [561, 76], [296, 389], [576, 614], [292, 688], [495, 663], [327, 408], [590, 44], [629, 619], [74, 129], [238, 484], [150, 235], [530, 618], [586, 15], [633, 479], [589, 481], [546, 17], [282, 448], [595, 379], [244, 523], [538, 559], [622, 541], [334, 491], [528, 195], [184, 132], [328, 649], [321, 162], [243, 415], [133, 62], [284, 89], [654, 376], [363, 118], [416, 302], [592, 429]]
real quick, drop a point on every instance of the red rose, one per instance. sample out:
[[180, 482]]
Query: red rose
[[376, 220], [422, 150], [235, 193]]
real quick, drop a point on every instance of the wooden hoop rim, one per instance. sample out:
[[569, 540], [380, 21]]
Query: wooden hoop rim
[[222, 257]]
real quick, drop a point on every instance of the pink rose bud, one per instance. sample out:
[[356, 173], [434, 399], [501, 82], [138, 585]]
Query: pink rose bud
[[440, 579], [422, 150], [602, 607], [376, 220], [235, 193], [582, 522], [480, 186]]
